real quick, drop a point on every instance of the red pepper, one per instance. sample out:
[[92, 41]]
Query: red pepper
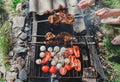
[[78, 67], [46, 58], [76, 51]]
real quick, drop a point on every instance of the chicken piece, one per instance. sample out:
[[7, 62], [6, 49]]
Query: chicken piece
[[49, 36], [54, 19]]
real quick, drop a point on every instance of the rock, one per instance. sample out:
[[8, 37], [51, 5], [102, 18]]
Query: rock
[[19, 41], [14, 68], [20, 61], [17, 34], [23, 36], [19, 49], [11, 76], [18, 80], [27, 29], [23, 75], [11, 53], [19, 66], [1, 74], [18, 21]]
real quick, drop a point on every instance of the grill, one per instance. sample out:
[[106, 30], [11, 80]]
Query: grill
[[90, 62], [85, 43]]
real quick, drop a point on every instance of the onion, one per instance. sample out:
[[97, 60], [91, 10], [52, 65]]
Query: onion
[[56, 48], [53, 54], [53, 62], [67, 60], [38, 61], [63, 49], [42, 48], [50, 49], [42, 54], [59, 65]]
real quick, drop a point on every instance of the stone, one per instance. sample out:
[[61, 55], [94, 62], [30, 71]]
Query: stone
[[18, 21], [18, 80], [27, 29], [1, 74], [17, 34], [23, 36], [19, 49], [22, 75], [11, 76], [20, 61], [11, 53], [14, 68], [19, 41]]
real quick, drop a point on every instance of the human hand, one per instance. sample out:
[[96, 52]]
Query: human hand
[[104, 13], [84, 4]]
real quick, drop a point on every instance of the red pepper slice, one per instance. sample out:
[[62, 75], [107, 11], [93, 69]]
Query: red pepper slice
[[46, 58], [76, 51], [78, 67]]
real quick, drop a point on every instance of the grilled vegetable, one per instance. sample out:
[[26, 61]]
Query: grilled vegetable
[[53, 70], [67, 60], [68, 67], [59, 65], [46, 58], [56, 48], [38, 61], [45, 68], [50, 49], [63, 71], [42, 48], [76, 51], [42, 54]]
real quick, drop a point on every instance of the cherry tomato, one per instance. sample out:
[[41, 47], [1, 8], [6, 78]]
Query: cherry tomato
[[68, 67], [45, 68], [78, 68], [63, 70], [76, 51], [53, 70], [70, 51]]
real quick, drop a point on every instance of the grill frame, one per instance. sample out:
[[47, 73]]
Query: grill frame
[[32, 75]]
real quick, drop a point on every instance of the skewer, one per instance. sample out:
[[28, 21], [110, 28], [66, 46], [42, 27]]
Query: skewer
[[45, 36], [72, 43]]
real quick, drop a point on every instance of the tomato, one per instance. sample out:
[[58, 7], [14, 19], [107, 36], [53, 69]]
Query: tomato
[[68, 67], [45, 68], [46, 58], [63, 71], [76, 51], [70, 51], [78, 67], [53, 70]]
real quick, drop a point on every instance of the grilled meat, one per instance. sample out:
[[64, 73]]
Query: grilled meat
[[64, 36], [52, 11], [61, 17], [49, 36]]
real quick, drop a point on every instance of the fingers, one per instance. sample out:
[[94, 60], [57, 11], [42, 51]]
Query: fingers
[[103, 13], [116, 40], [83, 5]]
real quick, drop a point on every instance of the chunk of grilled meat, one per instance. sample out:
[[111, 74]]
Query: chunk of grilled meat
[[49, 36], [60, 9], [61, 17], [64, 36]]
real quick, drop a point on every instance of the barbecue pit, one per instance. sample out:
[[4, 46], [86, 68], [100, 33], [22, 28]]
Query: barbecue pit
[[85, 40]]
